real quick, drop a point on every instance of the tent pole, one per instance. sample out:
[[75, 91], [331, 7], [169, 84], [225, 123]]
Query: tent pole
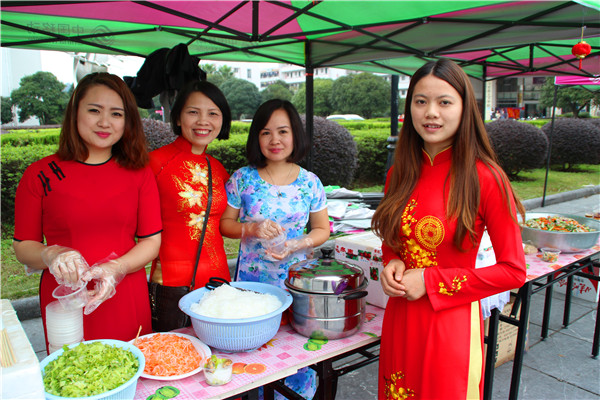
[[310, 111], [393, 138], [550, 144], [394, 105]]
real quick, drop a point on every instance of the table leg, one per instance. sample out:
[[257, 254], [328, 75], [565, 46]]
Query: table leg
[[547, 309], [525, 295], [490, 355], [568, 298], [327, 384], [596, 342]]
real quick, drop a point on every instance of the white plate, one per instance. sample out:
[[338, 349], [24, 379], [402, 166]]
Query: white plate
[[203, 350]]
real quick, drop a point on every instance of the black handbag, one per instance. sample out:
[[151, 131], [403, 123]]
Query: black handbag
[[164, 300]]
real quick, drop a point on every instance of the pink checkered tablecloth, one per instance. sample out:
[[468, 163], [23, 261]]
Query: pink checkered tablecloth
[[282, 356], [536, 267]]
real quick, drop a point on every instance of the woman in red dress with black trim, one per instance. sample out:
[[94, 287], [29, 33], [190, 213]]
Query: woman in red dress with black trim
[[445, 187], [95, 199]]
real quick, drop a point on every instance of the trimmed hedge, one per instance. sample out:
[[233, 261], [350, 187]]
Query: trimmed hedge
[[24, 138], [231, 152], [14, 162], [518, 145], [574, 141], [334, 152], [372, 157]]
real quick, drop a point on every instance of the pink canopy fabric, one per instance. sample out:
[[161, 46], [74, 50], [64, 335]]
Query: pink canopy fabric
[[488, 38], [577, 80]]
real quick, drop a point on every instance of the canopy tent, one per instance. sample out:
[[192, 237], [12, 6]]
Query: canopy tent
[[489, 38], [592, 84]]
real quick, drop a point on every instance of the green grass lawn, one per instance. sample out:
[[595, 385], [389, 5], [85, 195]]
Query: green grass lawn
[[16, 284]]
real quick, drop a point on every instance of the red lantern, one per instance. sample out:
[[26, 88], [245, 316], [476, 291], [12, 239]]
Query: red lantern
[[581, 50]]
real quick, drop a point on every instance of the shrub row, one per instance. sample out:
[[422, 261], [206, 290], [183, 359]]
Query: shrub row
[[14, 162], [340, 157]]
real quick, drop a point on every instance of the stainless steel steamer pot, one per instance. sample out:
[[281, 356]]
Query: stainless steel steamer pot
[[329, 298]]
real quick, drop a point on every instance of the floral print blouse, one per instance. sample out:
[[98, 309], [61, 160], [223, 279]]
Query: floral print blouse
[[288, 205]]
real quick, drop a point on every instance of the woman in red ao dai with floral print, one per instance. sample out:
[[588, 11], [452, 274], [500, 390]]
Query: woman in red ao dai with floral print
[[444, 189], [199, 115]]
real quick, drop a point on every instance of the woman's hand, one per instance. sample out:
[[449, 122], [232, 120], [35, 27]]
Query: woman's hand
[[107, 276], [414, 284], [391, 278], [67, 265], [265, 229], [291, 246]]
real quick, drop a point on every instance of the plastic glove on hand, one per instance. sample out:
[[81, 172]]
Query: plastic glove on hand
[[106, 276], [265, 229], [292, 246], [67, 265]]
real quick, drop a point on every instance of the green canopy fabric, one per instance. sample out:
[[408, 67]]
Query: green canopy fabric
[[488, 38]]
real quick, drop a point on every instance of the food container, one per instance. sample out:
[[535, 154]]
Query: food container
[[236, 335], [218, 370], [124, 391], [329, 298], [567, 242], [550, 254]]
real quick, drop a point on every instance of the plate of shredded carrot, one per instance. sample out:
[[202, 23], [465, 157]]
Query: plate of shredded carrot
[[171, 356]]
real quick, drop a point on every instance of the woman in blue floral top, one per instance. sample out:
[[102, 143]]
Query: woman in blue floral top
[[274, 196]]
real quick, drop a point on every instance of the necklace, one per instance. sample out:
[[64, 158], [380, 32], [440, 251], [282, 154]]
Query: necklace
[[273, 180]]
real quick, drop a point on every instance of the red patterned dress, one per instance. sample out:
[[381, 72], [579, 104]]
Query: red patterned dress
[[95, 209], [182, 179], [432, 348]]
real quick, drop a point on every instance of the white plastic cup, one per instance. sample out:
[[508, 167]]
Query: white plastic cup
[[71, 298], [63, 326], [275, 245]]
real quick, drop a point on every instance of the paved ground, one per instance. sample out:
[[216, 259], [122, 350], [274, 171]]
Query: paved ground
[[560, 367]]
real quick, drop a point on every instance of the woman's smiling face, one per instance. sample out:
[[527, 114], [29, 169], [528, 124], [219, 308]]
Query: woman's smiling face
[[200, 121], [100, 121], [436, 110]]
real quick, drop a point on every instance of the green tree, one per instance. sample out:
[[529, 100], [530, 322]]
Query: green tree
[[219, 75], [321, 100], [365, 94], [243, 97], [277, 90], [570, 98], [41, 95], [6, 109]]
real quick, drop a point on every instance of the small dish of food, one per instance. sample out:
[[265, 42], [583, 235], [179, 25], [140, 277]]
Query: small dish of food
[[171, 356], [549, 254], [218, 370]]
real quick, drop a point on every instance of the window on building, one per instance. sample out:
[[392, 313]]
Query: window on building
[[249, 73]]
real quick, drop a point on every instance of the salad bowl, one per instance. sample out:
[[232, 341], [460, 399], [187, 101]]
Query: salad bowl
[[566, 242], [125, 390]]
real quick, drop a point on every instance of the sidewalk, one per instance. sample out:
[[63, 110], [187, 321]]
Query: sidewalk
[[559, 367]]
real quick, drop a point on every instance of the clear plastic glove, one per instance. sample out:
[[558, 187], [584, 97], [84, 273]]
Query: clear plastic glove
[[106, 276], [265, 229], [293, 246], [67, 265]]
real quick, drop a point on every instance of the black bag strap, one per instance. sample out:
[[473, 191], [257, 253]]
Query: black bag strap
[[206, 216]]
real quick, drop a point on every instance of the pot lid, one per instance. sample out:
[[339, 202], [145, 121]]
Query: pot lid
[[324, 275]]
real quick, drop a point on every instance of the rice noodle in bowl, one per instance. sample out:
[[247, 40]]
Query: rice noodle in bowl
[[228, 302]]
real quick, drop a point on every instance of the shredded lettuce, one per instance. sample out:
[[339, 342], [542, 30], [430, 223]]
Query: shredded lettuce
[[89, 369]]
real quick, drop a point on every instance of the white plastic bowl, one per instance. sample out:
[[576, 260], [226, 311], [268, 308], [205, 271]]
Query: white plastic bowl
[[125, 391], [237, 335]]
